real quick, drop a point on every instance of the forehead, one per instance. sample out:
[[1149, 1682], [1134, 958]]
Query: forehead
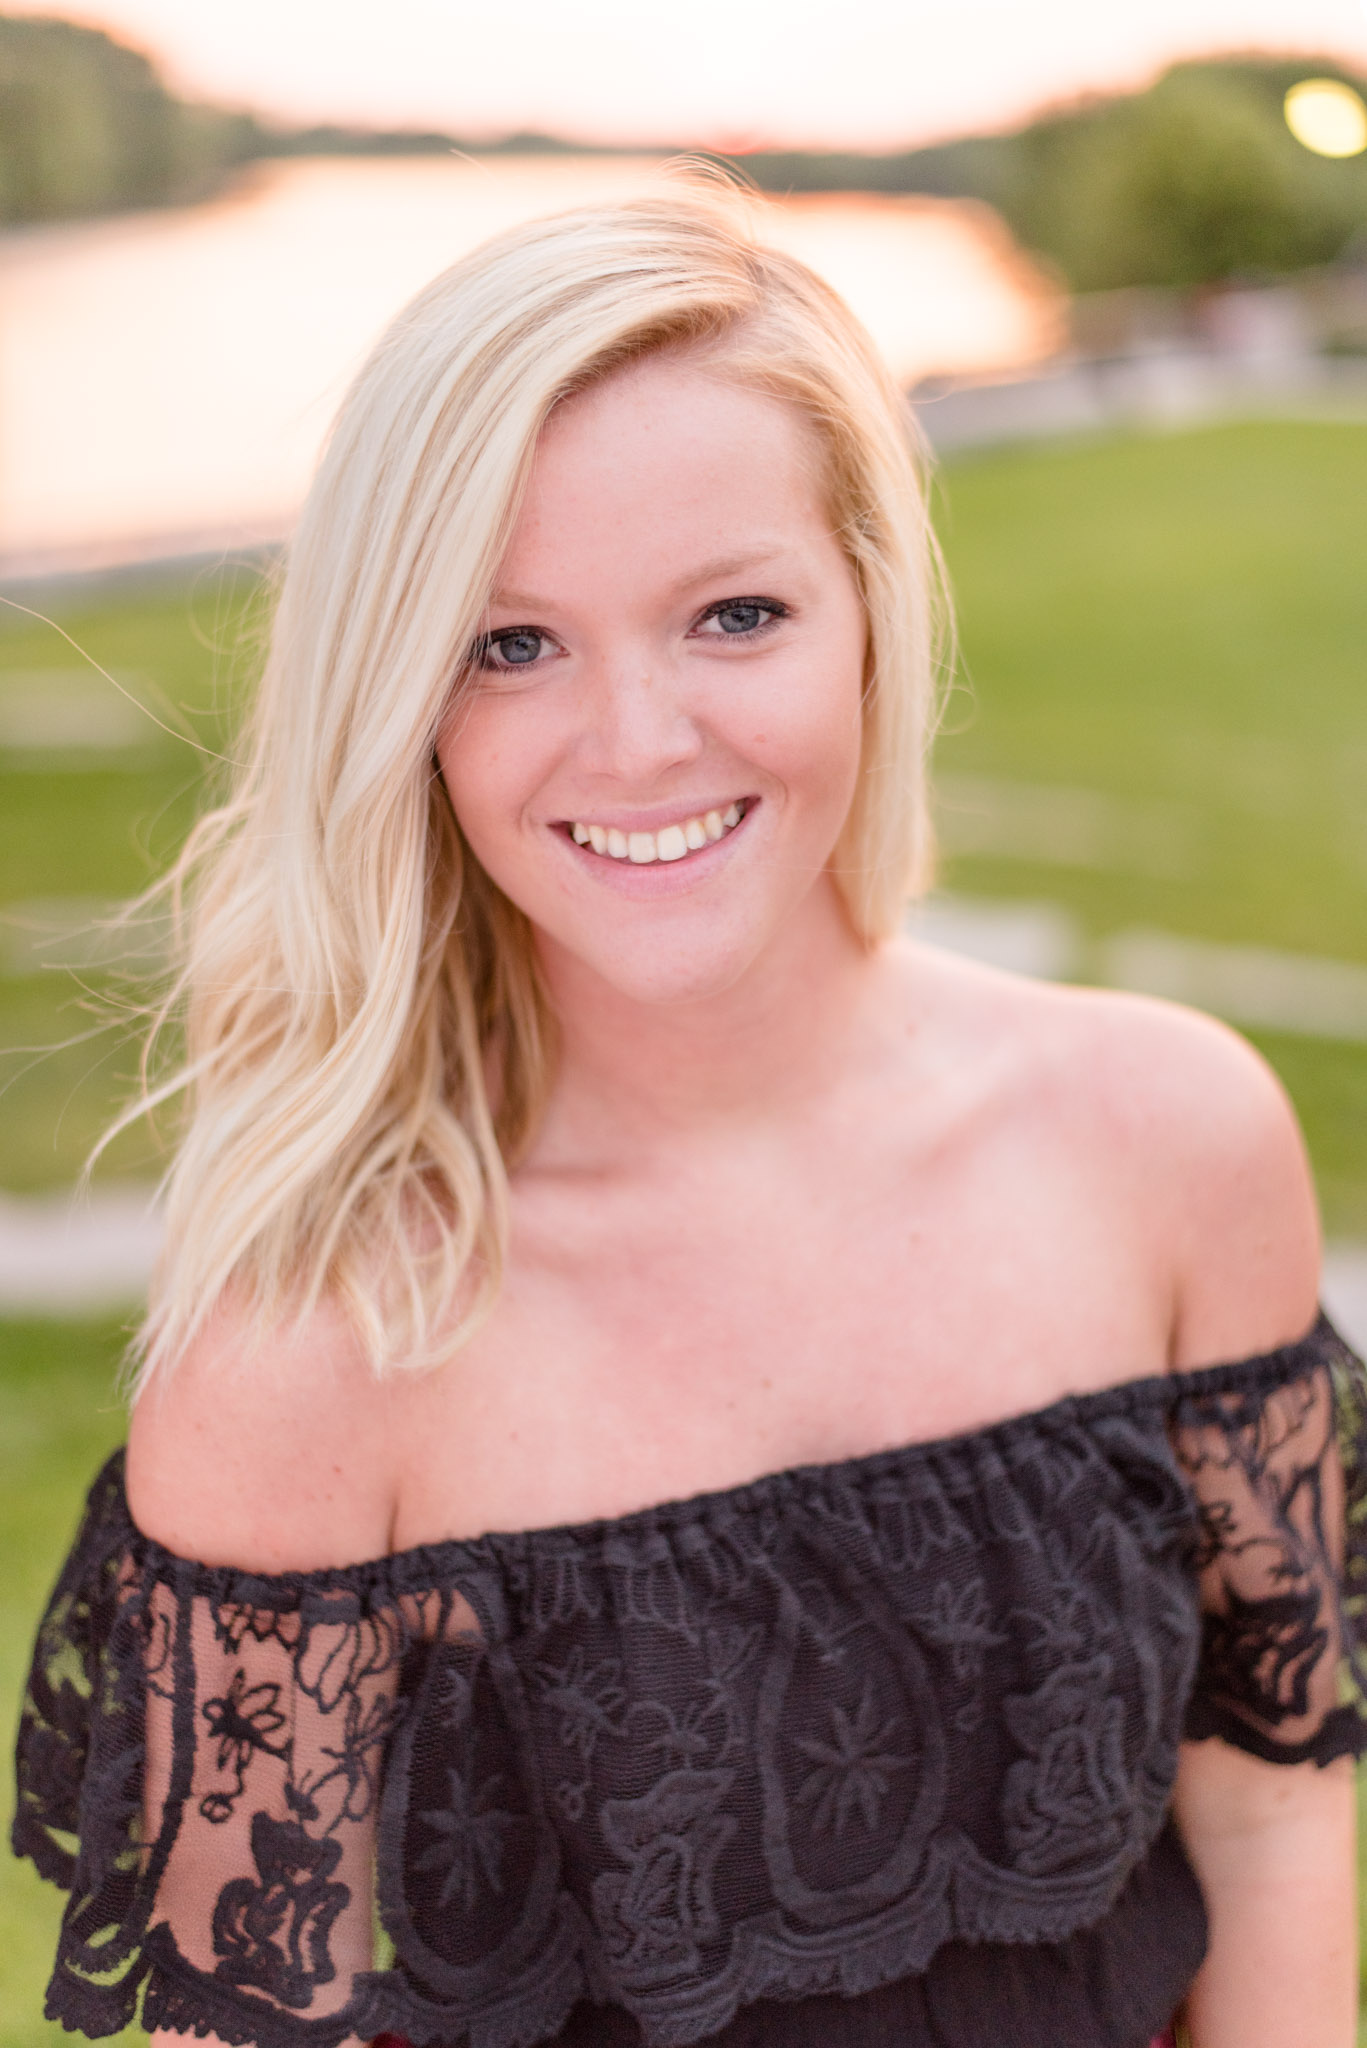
[[663, 455]]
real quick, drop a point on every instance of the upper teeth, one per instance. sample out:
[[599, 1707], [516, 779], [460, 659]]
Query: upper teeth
[[672, 842]]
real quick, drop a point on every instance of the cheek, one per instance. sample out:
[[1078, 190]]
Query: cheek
[[809, 731], [470, 776], [491, 769]]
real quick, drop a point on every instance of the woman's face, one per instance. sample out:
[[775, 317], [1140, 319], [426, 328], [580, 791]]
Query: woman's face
[[661, 740]]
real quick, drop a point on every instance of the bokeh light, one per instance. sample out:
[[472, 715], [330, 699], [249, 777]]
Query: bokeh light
[[1327, 116]]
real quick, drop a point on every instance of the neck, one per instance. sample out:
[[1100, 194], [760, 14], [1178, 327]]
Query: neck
[[632, 1073]]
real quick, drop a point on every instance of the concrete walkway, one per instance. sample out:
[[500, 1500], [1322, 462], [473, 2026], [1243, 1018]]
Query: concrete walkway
[[73, 1255], [80, 1256]]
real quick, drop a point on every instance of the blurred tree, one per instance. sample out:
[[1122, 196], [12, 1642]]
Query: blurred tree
[[88, 127], [1192, 181], [1196, 180]]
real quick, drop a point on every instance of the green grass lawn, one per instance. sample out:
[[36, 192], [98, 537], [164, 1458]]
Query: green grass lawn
[[1181, 621], [100, 828]]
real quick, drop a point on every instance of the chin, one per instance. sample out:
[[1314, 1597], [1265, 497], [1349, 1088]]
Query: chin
[[662, 972], [677, 988]]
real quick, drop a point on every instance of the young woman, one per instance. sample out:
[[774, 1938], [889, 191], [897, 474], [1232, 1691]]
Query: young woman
[[571, 1132]]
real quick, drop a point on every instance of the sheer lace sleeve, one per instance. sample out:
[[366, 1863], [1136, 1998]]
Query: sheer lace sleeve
[[1274, 1453], [199, 1763]]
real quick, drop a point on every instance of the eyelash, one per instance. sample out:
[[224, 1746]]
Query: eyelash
[[774, 606], [489, 642]]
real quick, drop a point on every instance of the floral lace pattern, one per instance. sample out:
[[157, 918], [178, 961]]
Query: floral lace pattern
[[783, 1741]]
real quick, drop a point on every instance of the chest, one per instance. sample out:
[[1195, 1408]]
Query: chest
[[650, 1349]]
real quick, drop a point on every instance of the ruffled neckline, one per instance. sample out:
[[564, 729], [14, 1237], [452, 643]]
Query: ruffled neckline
[[419, 1564]]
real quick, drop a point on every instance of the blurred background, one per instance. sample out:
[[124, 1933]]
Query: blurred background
[[1119, 262]]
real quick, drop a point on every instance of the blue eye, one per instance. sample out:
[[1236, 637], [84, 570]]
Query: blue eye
[[738, 618], [519, 647], [511, 648]]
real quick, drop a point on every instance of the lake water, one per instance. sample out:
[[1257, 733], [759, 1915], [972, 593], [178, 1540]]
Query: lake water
[[166, 378]]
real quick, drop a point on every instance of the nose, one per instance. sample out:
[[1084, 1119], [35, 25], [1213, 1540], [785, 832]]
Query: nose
[[639, 725]]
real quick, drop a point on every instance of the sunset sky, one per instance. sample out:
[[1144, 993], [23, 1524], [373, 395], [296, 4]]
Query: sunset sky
[[870, 73]]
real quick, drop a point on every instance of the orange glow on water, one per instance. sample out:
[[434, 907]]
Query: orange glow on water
[[167, 378]]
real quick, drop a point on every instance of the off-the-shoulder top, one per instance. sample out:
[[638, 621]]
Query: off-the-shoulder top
[[875, 1750]]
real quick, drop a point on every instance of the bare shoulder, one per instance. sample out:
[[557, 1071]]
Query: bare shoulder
[[1217, 1159], [1185, 1126], [266, 1451]]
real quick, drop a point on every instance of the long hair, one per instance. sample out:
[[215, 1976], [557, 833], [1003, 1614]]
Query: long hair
[[368, 1045]]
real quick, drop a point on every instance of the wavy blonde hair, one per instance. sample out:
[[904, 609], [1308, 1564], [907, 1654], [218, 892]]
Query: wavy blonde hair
[[368, 1042]]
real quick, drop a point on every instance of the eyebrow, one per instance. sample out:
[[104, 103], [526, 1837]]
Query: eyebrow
[[729, 565], [706, 572]]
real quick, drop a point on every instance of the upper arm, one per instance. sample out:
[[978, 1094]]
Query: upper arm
[[268, 1452], [1248, 1255], [1221, 1177]]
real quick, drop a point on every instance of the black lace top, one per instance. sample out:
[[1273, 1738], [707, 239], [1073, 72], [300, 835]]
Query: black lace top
[[869, 1751]]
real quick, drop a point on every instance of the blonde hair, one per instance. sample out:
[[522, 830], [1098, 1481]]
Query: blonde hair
[[368, 1044]]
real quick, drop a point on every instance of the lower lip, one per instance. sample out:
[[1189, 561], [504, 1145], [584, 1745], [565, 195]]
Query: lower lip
[[658, 877]]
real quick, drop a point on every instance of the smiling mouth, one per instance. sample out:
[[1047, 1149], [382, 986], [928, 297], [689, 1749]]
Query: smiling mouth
[[670, 843]]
